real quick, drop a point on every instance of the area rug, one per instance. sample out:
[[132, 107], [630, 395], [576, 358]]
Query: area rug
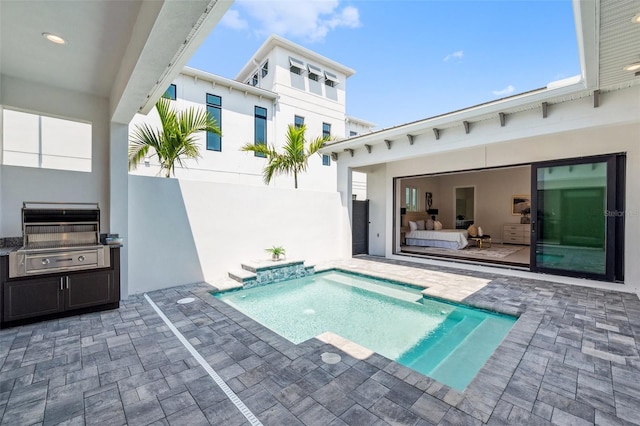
[[496, 251]]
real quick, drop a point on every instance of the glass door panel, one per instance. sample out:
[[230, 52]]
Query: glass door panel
[[570, 227]]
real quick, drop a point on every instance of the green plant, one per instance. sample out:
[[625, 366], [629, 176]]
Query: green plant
[[294, 158], [276, 251], [174, 140]]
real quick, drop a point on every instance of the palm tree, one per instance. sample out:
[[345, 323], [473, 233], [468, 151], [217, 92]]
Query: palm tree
[[293, 160], [174, 140]]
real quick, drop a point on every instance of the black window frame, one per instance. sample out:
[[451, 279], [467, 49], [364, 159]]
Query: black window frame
[[296, 119], [259, 116], [264, 70], [171, 93], [214, 107]]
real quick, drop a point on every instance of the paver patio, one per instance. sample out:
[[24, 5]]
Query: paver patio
[[571, 358]]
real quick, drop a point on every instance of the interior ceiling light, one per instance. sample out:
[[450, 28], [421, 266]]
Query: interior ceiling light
[[636, 18], [54, 38], [635, 66]]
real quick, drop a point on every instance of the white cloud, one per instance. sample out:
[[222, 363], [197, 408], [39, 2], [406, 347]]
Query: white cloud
[[458, 54], [506, 91], [232, 20], [309, 20]]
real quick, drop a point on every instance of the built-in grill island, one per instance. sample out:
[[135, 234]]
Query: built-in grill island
[[62, 268]]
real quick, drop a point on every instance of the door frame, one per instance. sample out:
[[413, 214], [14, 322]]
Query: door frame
[[614, 233]]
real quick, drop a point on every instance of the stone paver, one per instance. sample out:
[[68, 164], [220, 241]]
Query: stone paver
[[571, 358]]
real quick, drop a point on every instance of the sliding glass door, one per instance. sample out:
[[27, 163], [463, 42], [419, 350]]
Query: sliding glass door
[[578, 219]]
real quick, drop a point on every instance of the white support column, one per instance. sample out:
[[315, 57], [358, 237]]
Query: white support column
[[344, 188], [119, 197]]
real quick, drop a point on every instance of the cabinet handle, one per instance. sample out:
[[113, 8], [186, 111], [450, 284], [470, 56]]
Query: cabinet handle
[[61, 283], [67, 280]]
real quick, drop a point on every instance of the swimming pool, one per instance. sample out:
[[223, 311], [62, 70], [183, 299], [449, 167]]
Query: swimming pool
[[448, 342]]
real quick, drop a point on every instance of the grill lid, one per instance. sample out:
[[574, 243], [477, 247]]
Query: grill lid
[[60, 225]]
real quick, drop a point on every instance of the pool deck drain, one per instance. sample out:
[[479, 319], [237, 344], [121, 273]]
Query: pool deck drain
[[572, 358]]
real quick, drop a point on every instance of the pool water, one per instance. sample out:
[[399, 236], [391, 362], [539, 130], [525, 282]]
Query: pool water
[[448, 342]]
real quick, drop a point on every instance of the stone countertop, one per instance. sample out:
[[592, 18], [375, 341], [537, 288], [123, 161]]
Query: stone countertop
[[4, 251]]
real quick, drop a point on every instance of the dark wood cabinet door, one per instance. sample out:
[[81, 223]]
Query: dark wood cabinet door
[[33, 297], [89, 289]]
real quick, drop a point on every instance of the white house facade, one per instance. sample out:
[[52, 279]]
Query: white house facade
[[282, 84]]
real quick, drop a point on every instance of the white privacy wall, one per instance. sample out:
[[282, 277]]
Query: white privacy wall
[[183, 231]]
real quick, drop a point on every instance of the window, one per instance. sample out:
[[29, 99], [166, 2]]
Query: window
[[32, 140], [260, 127], [295, 65], [314, 72], [352, 133], [214, 107], [411, 199], [265, 69], [326, 130], [326, 133], [330, 79], [298, 121], [170, 93], [254, 80]]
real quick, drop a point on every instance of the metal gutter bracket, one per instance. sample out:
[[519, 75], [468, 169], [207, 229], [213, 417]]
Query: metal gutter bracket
[[503, 119], [437, 133], [410, 137], [467, 126], [388, 142], [368, 147]]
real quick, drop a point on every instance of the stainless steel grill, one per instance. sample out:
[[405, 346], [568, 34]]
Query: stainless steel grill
[[59, 237]]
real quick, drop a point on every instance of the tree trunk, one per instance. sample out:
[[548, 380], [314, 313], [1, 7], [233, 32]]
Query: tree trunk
[[295, 179]]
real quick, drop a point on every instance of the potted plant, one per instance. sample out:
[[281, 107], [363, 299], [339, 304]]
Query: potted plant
[[276, 252]]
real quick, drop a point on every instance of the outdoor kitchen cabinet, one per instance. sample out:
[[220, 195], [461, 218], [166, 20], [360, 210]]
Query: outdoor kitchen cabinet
[[27, 299]]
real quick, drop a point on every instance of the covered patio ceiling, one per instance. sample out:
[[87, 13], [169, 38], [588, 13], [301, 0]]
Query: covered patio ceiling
[[126, 51]]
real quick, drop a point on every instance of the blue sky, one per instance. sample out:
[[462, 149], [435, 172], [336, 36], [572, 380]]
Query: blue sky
[[413, 59]]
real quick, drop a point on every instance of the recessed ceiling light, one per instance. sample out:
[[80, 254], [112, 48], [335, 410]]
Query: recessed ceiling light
[[54, 38], [636, 18], [632, 67]]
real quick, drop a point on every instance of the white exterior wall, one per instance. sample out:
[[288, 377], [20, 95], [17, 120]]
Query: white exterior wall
[[229, 165], [572, 129], [32, 184], [184, 231]]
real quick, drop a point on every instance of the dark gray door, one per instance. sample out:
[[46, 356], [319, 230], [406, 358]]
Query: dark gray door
[[360, 227]]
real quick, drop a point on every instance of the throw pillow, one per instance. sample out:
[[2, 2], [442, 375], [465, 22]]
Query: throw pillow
[[437, 226], [412, 225], [472, 230], [429, 225], [420, 225]]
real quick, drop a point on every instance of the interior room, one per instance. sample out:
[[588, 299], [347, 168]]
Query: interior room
[[491, 206]]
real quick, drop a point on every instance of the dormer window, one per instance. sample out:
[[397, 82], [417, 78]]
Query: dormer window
[[314, 72], [330, 79], [265, 69], [296, 65]]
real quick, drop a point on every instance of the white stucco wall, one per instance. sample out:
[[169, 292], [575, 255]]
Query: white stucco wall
[[31, 184], [184, 231]]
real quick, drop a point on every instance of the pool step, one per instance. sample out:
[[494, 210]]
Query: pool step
[[242, 276], [402, 293], [264, 272], [471, 354]]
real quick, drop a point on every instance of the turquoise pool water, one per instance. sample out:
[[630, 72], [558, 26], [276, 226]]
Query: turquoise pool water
[[448, 342]]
